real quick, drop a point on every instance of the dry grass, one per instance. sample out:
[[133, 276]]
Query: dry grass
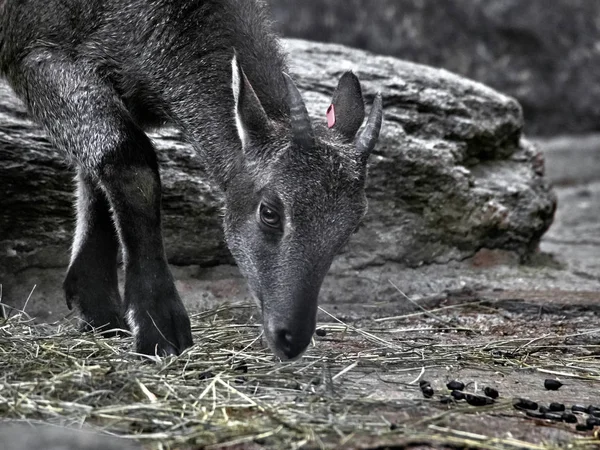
[[229, 391]]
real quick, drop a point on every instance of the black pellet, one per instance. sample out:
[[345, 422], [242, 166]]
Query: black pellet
[[535, 414], [593, 411], [523, 403], [569, 418], [427, 391], [393, 426], [552, 385], [458, 395], [490, 392], [206, 375], [544, 409], [593, 422], [321, 332], [553, 416], [557, 406], [455, 385], [583, 427], [242, 367], [579, 408], [477, 400], [424, 383]]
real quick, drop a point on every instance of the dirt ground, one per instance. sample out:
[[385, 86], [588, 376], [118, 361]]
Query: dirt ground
[[508, 340], [488, 321]]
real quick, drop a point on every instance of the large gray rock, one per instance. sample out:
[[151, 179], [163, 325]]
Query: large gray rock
[[451, 174], [544, 53]]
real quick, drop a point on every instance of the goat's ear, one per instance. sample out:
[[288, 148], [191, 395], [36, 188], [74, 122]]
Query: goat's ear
[[348, 106], [251, 119]]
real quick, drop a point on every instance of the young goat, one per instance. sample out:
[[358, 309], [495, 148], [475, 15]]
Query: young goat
[[97, 73]]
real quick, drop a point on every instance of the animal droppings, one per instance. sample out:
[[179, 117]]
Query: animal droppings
[[552, 385], [321, 332], [579, 408], [242, 367], [206, 375], [583, 427], [569, 418], [458, 395], [557, 406], [455, 385], [523, 403], [491, 392], [593, 411], [535, 414], [478, 400], [427, 391], [593, 421], [424, 383], [553, 416], [544, 409]]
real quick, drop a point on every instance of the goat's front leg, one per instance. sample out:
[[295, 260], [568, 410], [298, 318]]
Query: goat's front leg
[[155, 312], [91, 283], [87, 120]]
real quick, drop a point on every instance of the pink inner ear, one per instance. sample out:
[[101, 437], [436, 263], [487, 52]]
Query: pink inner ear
[[330, 116]]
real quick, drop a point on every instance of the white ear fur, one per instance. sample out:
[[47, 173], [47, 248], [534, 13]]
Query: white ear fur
[[236, 87]]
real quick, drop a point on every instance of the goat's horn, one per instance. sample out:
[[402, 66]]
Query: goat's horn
[[368, 138], [302, 132]]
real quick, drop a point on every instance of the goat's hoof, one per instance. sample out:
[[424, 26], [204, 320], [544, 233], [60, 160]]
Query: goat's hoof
[[98, 303], [164, 333]]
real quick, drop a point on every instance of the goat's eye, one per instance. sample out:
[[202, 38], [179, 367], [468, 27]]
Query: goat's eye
[[270, 217]]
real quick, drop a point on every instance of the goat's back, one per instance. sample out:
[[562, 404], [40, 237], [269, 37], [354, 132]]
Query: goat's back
[[147, 48]]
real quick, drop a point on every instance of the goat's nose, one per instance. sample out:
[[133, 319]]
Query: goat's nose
[[291, 345]]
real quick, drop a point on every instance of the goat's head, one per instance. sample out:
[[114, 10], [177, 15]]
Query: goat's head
[[296, 201]]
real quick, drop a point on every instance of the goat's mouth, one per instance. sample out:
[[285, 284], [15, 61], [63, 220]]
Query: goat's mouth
[[286, 352], [287, 330], [282, 356], [288, 344]]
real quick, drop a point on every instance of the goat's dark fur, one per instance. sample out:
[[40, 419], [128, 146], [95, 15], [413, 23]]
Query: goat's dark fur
[[98, 73]]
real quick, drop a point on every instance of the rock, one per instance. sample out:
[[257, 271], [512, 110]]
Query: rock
[[544, 53], [450, 175]]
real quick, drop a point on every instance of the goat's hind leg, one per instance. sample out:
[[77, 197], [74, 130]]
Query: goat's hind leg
[[91, 283]]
